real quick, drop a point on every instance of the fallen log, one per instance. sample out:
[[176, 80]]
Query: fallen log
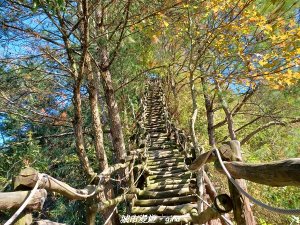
[[278, 174], [13, 200]]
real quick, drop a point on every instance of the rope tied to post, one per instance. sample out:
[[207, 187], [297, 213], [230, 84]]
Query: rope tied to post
[[28, 199]]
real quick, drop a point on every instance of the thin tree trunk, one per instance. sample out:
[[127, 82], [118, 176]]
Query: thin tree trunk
[[109, 93], [200, 180], [96, 121], [210, 131], [209, 114], [241, 205], [174, 92], [195, 111], [114, 116], [99, 149], [78, 130]]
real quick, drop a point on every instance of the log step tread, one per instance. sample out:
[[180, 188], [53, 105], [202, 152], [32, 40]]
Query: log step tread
[[166, 201], [145, 194], [165, 210]]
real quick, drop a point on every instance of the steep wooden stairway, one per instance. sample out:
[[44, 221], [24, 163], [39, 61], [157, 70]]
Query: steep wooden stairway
[[166, 197]]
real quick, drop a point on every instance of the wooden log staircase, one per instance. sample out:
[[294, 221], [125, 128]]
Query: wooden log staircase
[[166, 194]]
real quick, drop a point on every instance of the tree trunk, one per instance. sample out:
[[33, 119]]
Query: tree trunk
[[195, 111], [78, 130], [242, 211], [241, 205], [96, 121], [209, 114], [99, 148], [113, 111], [175, 95], [228, 114], [114, 116]]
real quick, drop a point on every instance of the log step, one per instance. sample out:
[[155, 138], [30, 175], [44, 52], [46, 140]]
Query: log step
[[162, 172], [165, 210], [167, 169], [163, 157], [165, 165], [172, 182], [164, 161], [166, 201], [145, 194], [165, 179], [157, 187], [178, 174], [158, 147]]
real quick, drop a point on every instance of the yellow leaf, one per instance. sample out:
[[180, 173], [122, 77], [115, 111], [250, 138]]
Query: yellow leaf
[[165, 23], [268, 27], [262, 62]]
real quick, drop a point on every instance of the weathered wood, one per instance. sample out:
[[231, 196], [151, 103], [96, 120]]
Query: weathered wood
[[166, 201], [212, 193], [157, 187], [181, 212], [241, 206], [13, 200], [112, 202], [206, 157], [29, 176], [25, 217], [171, 182], [167, 175], [112, 169], [210, 190], [222, 204], [91, 213], [162, 194], [230, 151], [279, 173]]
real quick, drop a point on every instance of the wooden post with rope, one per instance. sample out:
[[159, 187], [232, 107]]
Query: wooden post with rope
[[241, 206], [25, 218]]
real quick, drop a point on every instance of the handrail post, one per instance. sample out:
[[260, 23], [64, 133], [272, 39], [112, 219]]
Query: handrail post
[[241, 205]]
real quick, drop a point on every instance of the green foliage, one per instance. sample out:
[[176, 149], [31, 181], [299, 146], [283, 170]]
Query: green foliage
[[52, 4]]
